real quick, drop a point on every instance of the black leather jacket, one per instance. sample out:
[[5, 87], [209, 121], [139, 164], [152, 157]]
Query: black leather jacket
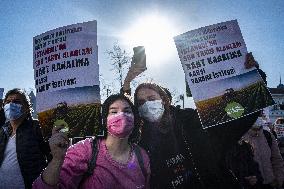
[[32, 151]]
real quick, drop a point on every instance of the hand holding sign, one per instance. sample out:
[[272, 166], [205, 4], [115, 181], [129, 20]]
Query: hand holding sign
[[223, 78], [250, 61], [58, 143]]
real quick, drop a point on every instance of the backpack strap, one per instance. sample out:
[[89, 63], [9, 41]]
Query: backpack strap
[[95, 149], [137, 151], [92, 162], [268, 137]]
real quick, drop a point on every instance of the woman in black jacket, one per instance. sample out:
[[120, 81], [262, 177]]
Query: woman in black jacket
[[182, 154]]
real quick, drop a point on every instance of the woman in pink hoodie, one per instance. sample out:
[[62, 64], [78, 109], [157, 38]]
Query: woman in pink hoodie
[[118, 162]]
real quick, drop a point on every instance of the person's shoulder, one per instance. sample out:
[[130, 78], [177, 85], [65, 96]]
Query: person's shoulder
[[35, 122], [188, 119], [189, 111], [85, 144], [35, 125], [185, 113], [81, 148]]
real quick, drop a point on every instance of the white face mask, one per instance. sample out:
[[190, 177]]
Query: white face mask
[[152, 111]]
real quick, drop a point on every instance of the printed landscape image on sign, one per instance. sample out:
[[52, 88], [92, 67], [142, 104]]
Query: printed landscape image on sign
[[213, 59], [233, 98], [66, 73], [77, 109]]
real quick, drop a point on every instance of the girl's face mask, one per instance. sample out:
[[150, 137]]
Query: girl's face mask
[[13, 111], [120, 125], [152, 111]]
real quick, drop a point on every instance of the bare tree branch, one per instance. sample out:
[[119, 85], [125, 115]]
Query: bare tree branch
[[120, 61]]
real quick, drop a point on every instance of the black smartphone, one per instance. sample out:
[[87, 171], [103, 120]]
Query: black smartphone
[[139, 57]]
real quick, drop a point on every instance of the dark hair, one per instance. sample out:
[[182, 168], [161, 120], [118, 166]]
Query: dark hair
[[160, 90], [134, 136], [166, 120], [168, 93], [26, 98]]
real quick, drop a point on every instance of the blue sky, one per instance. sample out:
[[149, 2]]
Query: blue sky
[[261, 23]]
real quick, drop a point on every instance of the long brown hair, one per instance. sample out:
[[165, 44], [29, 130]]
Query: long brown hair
[[166, 120]]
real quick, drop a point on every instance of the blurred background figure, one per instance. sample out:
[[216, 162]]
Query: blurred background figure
[[266, 154], [281, 146], [278, 127]]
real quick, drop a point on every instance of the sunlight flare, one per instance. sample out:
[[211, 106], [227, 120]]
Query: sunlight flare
[[155, 33]]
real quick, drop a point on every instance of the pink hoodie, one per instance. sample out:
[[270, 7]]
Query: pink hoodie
[[107, 174]]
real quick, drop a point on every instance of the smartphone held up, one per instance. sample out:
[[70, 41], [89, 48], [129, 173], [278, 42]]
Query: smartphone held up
[[139, 57]]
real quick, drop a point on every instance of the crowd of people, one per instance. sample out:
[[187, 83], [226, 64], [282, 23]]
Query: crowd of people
[[148, 143]]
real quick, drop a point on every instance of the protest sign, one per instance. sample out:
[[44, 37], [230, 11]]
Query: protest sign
[[213, 60], [66, 73]]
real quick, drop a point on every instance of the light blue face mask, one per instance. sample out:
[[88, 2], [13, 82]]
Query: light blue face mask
[[13, 111]]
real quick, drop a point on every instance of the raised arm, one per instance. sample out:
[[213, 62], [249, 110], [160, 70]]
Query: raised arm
[[58, 145]]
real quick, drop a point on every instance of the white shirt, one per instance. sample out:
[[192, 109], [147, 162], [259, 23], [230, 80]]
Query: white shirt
[[10, 173]]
